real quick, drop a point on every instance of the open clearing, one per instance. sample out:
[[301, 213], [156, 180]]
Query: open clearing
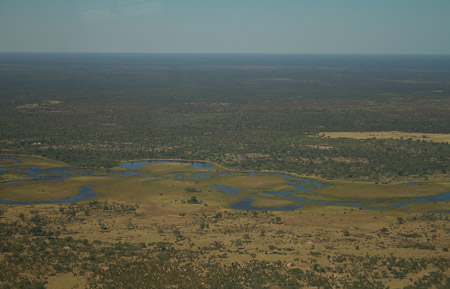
[[434, 137]]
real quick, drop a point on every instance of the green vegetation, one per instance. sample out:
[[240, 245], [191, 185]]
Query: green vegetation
[[244, 116], [307, 115], [193, 200]]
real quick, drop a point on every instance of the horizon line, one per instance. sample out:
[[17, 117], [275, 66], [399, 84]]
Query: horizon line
[[225, 53]]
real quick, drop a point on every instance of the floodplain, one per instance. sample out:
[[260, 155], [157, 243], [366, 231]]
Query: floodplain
[[168, 217], [224, 171]]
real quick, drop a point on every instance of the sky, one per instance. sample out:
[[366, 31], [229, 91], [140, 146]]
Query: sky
[[226, 26]]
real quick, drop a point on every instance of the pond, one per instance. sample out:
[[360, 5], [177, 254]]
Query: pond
[[300, 194]]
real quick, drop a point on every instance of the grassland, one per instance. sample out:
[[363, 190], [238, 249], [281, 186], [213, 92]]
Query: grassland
[[144, 231], [91, 244], [375, 128], [432, 137], [363, 192]]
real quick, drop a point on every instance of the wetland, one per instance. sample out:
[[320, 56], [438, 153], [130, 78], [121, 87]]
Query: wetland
[[224, 171], [245, 188]]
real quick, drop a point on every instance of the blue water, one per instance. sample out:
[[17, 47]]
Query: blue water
[[300, 186], [438, 198], [86, 193], [123, 173], [6, 157], [228, 190], [35, 174]]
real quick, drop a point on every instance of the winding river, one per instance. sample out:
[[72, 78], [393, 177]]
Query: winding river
[[301, 186]]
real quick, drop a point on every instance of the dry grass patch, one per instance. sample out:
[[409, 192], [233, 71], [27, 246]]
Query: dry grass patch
[[161, 169], [434, 137], [66, 281]]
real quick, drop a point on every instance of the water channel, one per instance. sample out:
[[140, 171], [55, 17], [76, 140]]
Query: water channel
[[300, 195]]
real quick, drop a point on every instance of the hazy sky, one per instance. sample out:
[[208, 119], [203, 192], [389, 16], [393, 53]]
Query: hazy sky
[[226, 26]]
